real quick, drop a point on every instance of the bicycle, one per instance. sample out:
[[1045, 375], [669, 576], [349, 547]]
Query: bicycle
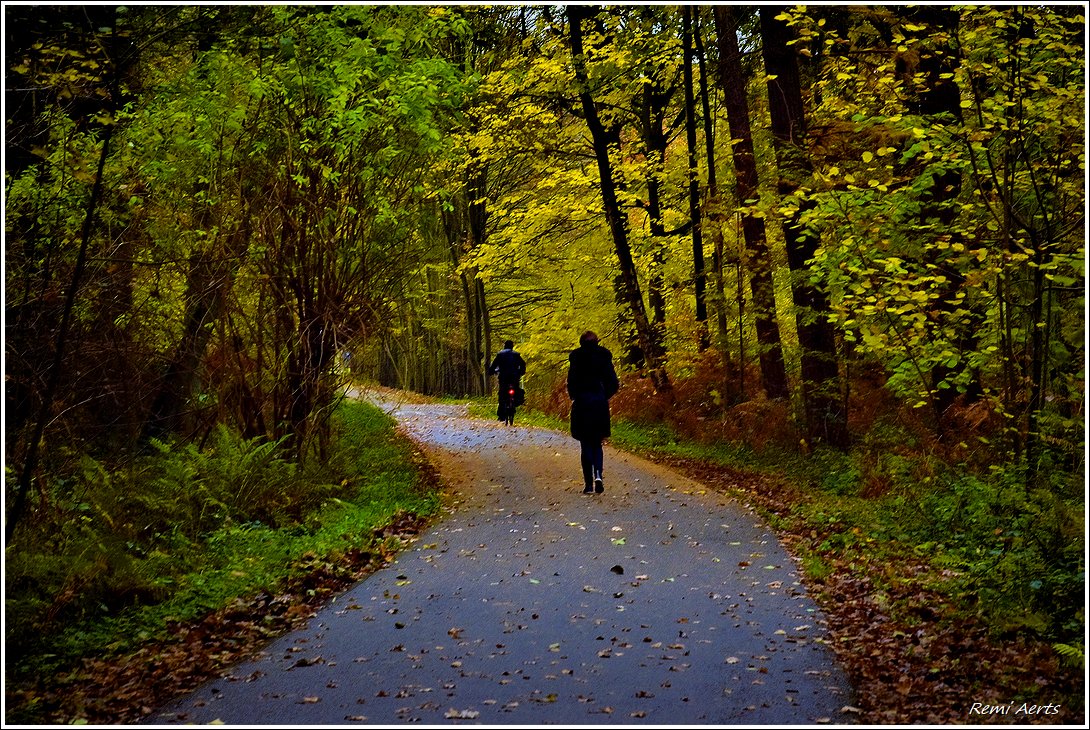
[[508, 403]]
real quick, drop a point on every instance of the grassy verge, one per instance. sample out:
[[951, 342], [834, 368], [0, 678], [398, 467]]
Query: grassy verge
[[184, 536]]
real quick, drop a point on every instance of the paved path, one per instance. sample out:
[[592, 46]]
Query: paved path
[[657, 602]]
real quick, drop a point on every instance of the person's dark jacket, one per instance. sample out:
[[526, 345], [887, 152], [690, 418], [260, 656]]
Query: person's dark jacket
[[509, 366], [592, 381]]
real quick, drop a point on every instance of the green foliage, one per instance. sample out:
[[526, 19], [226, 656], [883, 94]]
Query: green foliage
[[662, 438], [950, 227], [1018, 551], [232, 480], [1074, 655], [1007, 552], [839, 473], [183, 531]]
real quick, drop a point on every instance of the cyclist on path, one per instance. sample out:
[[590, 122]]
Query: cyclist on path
[[509, 367]]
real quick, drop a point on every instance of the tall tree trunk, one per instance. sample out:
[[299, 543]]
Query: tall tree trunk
[[485, 324], [211, 273], [715, 214], [654, 140], [695, 214], [649, 340], [478, 235], [473, 350], [762, 289], [826, 417], [474, 378]]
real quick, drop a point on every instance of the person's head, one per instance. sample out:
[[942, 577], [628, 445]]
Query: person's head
[[588, 338], [508, 345]]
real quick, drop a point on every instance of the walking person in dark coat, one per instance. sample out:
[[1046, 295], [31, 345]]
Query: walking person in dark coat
[[592, 381]]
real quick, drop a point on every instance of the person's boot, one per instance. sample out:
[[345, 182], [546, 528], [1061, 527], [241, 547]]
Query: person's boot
[[598, 486], [588, 478]]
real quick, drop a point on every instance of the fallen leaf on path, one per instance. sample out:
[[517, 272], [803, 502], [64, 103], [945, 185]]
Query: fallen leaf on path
[[307, 662]]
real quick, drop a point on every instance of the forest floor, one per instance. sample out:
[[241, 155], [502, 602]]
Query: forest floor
[[925, 666]]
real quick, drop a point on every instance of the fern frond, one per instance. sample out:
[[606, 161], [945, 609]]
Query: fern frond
[[1072, 654]]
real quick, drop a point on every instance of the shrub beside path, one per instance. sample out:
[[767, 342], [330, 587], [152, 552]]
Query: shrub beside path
[[657, 602]]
